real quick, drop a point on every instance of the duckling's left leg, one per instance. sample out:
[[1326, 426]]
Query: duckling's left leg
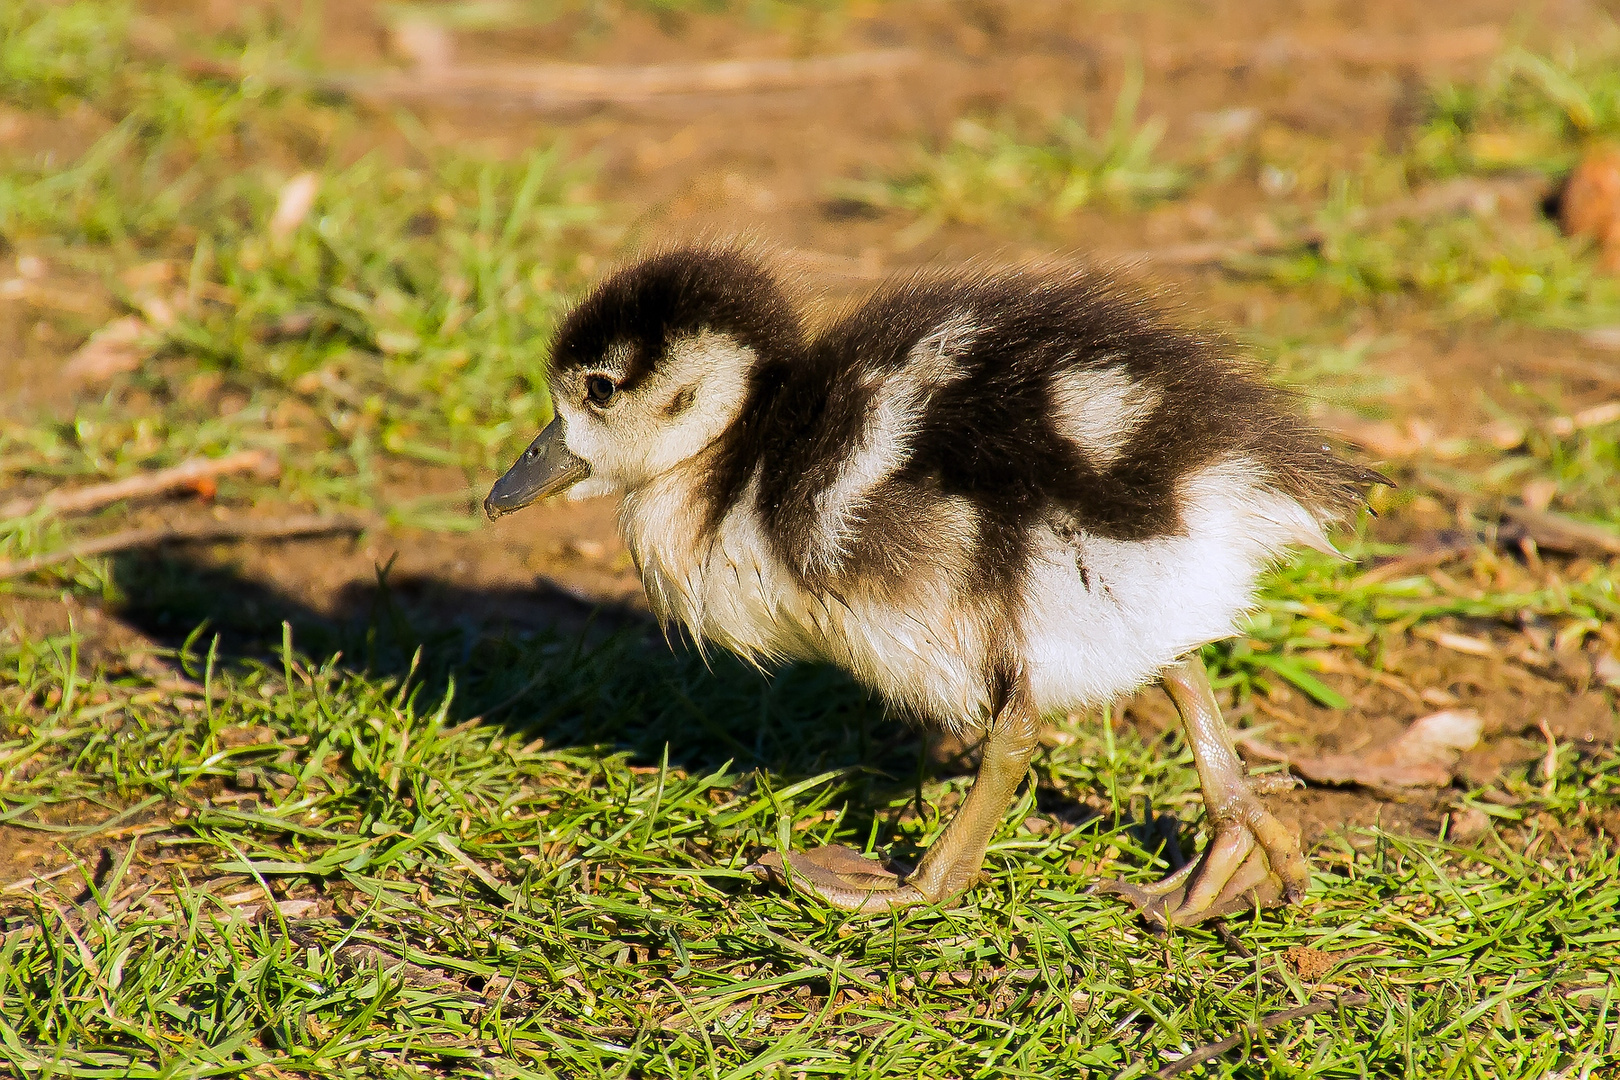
[[1252, 857], [846, 879]]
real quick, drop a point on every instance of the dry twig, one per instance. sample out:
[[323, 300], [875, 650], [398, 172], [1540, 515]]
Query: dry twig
[[1453, 196], [119, 346], [145, 485], [1366, 50], [189, 533], [1555, 532], [545, 86], [1216, 1049], [1550, 531]]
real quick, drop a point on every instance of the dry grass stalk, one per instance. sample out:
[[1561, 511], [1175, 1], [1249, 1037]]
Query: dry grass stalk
[[190, 473], [284, 528]]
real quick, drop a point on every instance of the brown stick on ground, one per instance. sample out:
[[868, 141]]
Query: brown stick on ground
[[541, 86], [1364, 50], [1445, 198], [1216, 1049], [1554, 532], [1550, 531], [145, 485], [189, 533]]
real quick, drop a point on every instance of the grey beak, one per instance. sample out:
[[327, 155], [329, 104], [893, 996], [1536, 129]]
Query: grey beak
[[546, 468]]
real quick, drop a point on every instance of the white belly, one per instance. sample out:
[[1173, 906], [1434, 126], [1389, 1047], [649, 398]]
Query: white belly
[[1142, 604]]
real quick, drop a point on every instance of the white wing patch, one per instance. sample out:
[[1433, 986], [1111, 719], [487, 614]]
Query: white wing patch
[[899, 401], [1101, 409]]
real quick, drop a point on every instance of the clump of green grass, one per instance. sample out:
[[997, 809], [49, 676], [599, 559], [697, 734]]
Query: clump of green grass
[[55, 52], [1467, 267], [988, 172], [1529, 112]]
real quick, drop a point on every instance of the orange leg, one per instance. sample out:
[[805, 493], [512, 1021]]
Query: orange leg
[[1252, 858], [846, 879]]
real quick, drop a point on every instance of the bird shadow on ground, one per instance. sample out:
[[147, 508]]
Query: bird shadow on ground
[[542, 662]]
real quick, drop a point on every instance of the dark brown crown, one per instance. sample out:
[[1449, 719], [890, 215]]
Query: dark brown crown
[[641, 308]]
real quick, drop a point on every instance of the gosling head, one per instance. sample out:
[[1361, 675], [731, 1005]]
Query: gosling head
[[649, 371]]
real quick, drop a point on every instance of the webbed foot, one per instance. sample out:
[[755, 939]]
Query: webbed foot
[[841, 876], [1252, 858], [846, 879], [1252, 861]]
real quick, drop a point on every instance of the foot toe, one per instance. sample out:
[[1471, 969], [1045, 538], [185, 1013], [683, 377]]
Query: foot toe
[[1150, 901], [839, 875], [1229, 877]]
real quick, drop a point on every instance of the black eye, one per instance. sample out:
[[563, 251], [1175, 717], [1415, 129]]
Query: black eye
[[599, 388]]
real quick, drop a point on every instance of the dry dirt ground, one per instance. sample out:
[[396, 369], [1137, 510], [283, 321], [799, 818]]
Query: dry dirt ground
[[1342, 75]]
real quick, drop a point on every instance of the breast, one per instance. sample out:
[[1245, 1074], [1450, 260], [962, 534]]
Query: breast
[[913, 639], [1103, 616]]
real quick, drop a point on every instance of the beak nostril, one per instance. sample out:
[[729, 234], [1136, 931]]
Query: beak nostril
[[544, 468]]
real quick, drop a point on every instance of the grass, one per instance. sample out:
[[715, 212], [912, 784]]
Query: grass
[[1530, 115], [1469, 267], [403, 317], [400, 842], [1529, 112], [561, 890], [989, 171]]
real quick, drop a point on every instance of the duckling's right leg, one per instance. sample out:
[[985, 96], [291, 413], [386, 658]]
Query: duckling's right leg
[[1252, 858], [846, 879]]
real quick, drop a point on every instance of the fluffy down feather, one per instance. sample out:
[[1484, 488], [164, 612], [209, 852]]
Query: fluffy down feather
[[962, 476]]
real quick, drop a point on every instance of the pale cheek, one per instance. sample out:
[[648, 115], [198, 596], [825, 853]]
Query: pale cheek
[[614, 461], [583, 437], [707, 418]]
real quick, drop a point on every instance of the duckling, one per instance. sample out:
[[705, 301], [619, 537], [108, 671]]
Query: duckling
[[988, 495]]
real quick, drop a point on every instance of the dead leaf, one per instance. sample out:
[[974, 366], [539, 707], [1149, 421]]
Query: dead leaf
[[1590, 205], [1308, 963], [118, 347], [293, 204], [1607, 669], [1424, 756], [426, 45], [1505, 435], [1462, 643], [1538, 494]]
